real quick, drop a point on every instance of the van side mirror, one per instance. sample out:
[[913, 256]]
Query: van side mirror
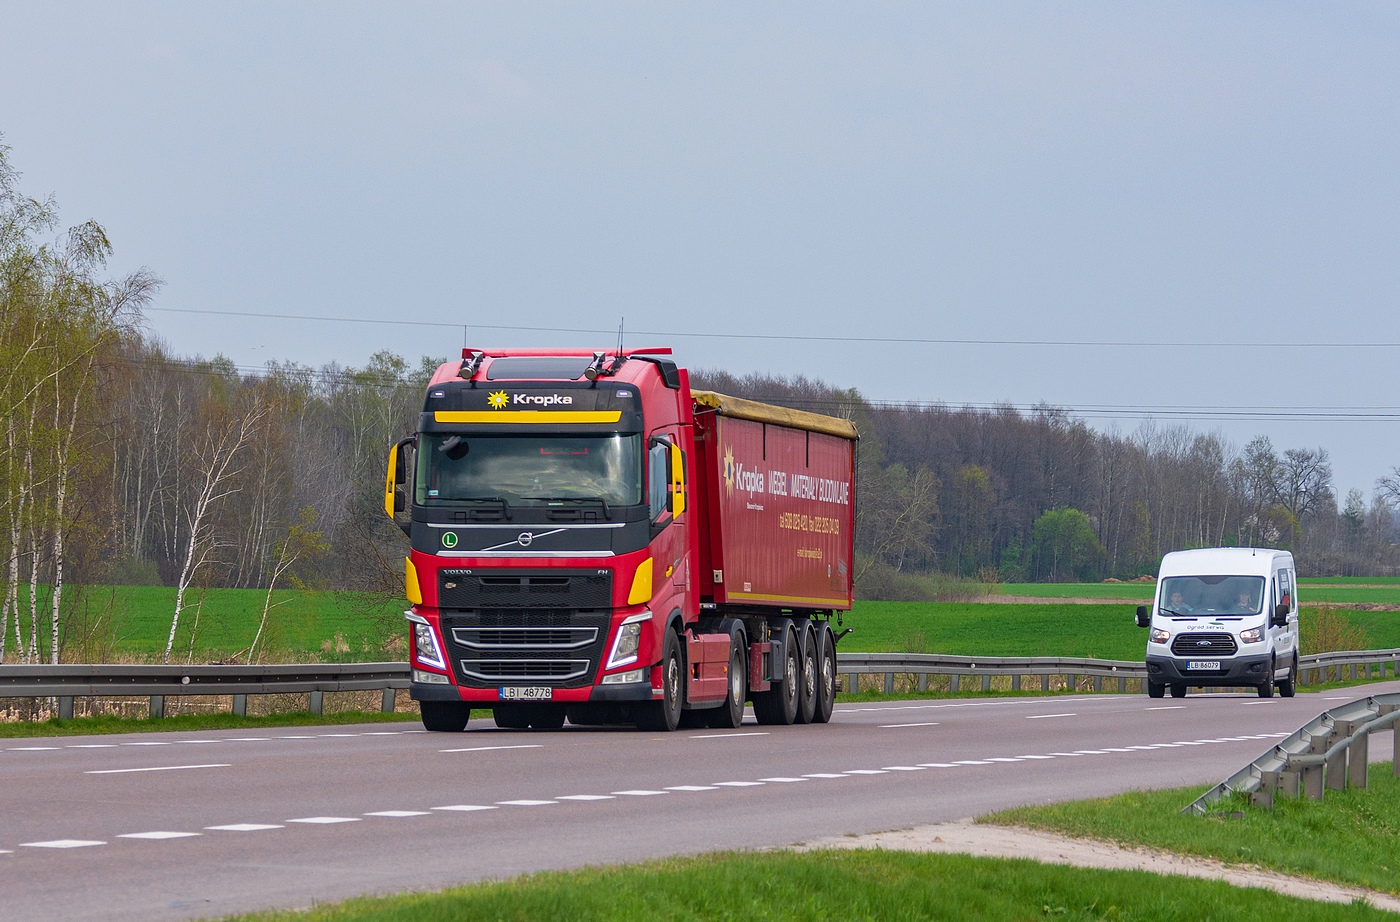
[[1143, 618], [1280, 614]]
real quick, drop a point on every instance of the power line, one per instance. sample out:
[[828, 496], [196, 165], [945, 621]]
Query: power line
[[767, 337]]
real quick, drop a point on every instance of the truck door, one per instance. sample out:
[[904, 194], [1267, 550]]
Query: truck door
[[667, 498]]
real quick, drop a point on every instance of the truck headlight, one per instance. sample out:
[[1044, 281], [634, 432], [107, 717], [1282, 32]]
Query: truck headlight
[[1253, 635], [628, 642], [425, 646], [1157, 635]]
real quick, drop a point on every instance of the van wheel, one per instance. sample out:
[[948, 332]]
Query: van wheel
[[1266, 688], [1155, 689], [1178, 689], [1289, 686]]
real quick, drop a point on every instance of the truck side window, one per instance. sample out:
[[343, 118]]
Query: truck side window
[[658, 478]]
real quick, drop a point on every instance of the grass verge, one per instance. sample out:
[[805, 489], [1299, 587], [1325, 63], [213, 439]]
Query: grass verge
[[822, 885], [1350, 837], [185, 723]]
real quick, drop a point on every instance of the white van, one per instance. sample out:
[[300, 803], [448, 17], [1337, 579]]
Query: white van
[[1223, 616]]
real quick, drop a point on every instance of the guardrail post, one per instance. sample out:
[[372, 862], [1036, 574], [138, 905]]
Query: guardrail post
[[853, 682], [1337, 772], [1122, 685], [1098, 683], [65, 707], [157, 706], [923, 681], [889, 683], [1045, 682], [314, 706], [953, 683], [1358, 757], [388, 701], [1016, 683], [1072, 681], [240, 705], [987, 682]]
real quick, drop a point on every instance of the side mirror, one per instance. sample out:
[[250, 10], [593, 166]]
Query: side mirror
[[1143, 618], [395, 475], [1280, 614]]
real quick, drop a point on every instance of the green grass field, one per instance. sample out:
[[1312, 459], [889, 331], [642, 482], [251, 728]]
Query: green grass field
[[817, 886], [341, 626], [1359, 590], [1351, 837]]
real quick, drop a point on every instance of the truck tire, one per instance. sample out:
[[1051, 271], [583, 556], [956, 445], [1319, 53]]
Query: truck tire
[[778, 706], [730, 715], [545, 716], [826, 674], [665, 715], [1155, 689], [511, 717], [1289, 686], [444, 716], [807, 675]]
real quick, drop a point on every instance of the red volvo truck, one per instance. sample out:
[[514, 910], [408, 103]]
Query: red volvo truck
[[592, 540]]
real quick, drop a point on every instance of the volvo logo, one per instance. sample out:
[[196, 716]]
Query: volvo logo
[[525, 539]]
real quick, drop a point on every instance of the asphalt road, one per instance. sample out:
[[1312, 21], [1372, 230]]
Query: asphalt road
[[181, 826]]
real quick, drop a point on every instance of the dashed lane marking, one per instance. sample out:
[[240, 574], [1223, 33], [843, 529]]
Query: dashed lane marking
[[493, 748], [902, 726], [1167, 707], [92, 746], [972, 762], [904, 768], [813, 775], [31, 748], [726, 736], [463, 808], [587, 797], [866, 771], [156, 768], [693, 787], [399, 813], [160, 834], [739, 784], [781, 780], [62, 843], [1045, 716], [638, 793], [527, 803], [244, 827], [325, 820], [938, 765]]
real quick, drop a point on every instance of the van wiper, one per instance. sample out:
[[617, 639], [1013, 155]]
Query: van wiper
[[589, 500], [505, 506], [1174, 614]]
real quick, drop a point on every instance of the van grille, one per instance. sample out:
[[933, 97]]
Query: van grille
[[1199, 644]]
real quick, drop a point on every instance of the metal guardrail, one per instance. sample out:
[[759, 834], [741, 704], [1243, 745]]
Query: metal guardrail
[[69, 681], [1330, 751]]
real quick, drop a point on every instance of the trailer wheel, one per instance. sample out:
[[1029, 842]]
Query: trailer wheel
[[665, 715], [779, 705], [444, 716], [730, 715], [807, 686], [826, 674]]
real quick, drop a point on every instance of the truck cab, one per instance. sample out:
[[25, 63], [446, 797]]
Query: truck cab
[[1223, 617]]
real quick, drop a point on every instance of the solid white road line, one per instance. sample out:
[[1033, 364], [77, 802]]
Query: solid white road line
[[157, 768]]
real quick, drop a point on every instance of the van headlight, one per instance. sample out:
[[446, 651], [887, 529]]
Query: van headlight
[[1157, 635], [1253, 635]]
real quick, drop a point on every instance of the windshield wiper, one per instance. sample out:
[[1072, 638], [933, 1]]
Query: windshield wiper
[[590, 500], [505, 506]]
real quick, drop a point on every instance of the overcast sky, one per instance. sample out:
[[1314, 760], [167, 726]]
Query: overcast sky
[[1156, 207]]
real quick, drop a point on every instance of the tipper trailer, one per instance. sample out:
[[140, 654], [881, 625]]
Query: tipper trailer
[[592, 540]]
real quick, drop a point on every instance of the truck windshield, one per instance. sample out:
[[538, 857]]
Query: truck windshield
[[459, 468], [1212, 595]]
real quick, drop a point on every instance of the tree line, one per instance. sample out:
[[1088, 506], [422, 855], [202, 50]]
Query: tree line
[[124, 464]]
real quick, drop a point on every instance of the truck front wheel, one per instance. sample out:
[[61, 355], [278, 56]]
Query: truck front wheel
[[665, 715], [444, 716]]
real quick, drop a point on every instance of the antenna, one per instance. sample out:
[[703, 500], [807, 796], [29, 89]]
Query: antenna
[[622, 321]]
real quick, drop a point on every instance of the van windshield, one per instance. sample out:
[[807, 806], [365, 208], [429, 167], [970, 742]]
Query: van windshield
[[1212, 595]]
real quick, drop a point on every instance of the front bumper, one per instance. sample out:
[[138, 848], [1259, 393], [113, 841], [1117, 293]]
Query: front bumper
[[1244, 671], [487, 697]]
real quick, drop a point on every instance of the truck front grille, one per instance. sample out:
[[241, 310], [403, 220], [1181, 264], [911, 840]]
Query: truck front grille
[[1203, 645], [494, 671], [500, 588], [524, 638]]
